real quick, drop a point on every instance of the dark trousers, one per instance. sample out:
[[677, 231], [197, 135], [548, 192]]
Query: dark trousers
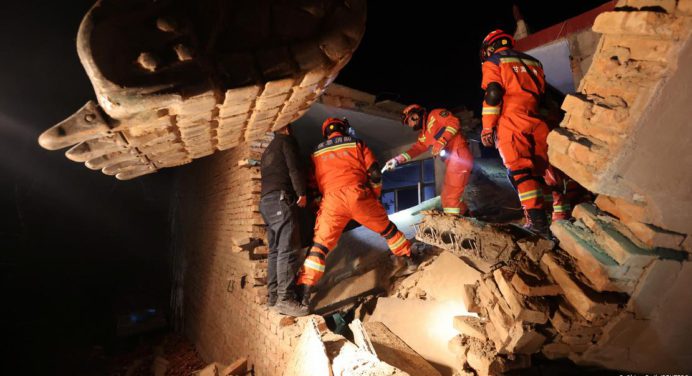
[[280, 213]]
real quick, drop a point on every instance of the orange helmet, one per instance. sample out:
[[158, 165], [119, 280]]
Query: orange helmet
[[411, 110], [495, 40], [332, 125]]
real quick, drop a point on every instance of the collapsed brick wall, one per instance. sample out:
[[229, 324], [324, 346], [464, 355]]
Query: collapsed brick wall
[[177, 81], [609, 140], [597, 298], [625, 136], [223, 271]]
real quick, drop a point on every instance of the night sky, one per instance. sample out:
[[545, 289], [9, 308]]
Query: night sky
[[77, 246]]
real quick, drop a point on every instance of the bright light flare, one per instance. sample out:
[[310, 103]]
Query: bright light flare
[[442, 327]]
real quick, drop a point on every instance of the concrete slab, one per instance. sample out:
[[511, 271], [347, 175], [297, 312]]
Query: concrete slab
[[392, 350], [426, 326], [445, 278]]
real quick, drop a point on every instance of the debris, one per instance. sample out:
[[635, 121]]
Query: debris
[[470, 326], [590, 305], [310, 354], [248, 162], [483, 243], [392, 350], [442, 279], [526, 287], [516, 302]]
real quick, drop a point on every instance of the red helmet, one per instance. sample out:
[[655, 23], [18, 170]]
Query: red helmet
[[495, 40], [411, 110], [332, 125]]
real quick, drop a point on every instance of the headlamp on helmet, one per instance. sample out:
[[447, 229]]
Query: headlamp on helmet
[[332, 125]]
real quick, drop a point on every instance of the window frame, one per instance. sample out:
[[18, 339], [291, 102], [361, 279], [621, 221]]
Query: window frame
[[419, 186]]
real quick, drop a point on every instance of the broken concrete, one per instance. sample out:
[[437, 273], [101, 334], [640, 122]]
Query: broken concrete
[[484, 244], [471, 327], [392, 350], [446, 278], [404, 318], [320, 352]]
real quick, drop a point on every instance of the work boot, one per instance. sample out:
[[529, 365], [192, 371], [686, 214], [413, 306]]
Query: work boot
[[290, 307], [271, 301], [537, 222]]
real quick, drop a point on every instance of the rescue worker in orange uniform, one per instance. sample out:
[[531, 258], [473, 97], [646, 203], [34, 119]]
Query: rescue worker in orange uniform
[[440, 130], [514, 85], [350, 181]]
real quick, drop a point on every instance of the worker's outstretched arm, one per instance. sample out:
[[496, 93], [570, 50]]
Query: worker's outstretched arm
[[415, 150]]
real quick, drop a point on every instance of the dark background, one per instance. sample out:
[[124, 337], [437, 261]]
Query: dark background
[[78, 247]]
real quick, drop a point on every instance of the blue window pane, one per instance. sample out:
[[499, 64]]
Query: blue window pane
[[388, 202], [407, 198], [428, 192], [403, 176], [428, 171]]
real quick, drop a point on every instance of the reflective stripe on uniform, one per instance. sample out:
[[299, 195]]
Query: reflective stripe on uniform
[[561, 208], [398, 242], [507, 60], [451, 130], [452, 210], [334, 148], [491, 110], [313, 265], [406, 156], [528, 195], [431, 122]]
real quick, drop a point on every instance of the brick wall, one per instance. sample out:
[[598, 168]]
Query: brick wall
[[221, 284], [626, 136]]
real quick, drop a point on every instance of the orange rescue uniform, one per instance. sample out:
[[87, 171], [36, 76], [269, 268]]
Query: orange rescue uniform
[[441, 130], [521, 136], [342, 173]]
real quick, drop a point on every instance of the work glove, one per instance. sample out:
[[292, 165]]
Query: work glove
[[390, 165], [488, 137], [438, 147]]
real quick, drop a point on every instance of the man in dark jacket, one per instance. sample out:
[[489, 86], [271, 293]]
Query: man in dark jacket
[[283, 191]]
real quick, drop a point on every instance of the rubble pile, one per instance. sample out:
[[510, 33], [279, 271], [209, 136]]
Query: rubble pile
[[374, 352], [528, 295]]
